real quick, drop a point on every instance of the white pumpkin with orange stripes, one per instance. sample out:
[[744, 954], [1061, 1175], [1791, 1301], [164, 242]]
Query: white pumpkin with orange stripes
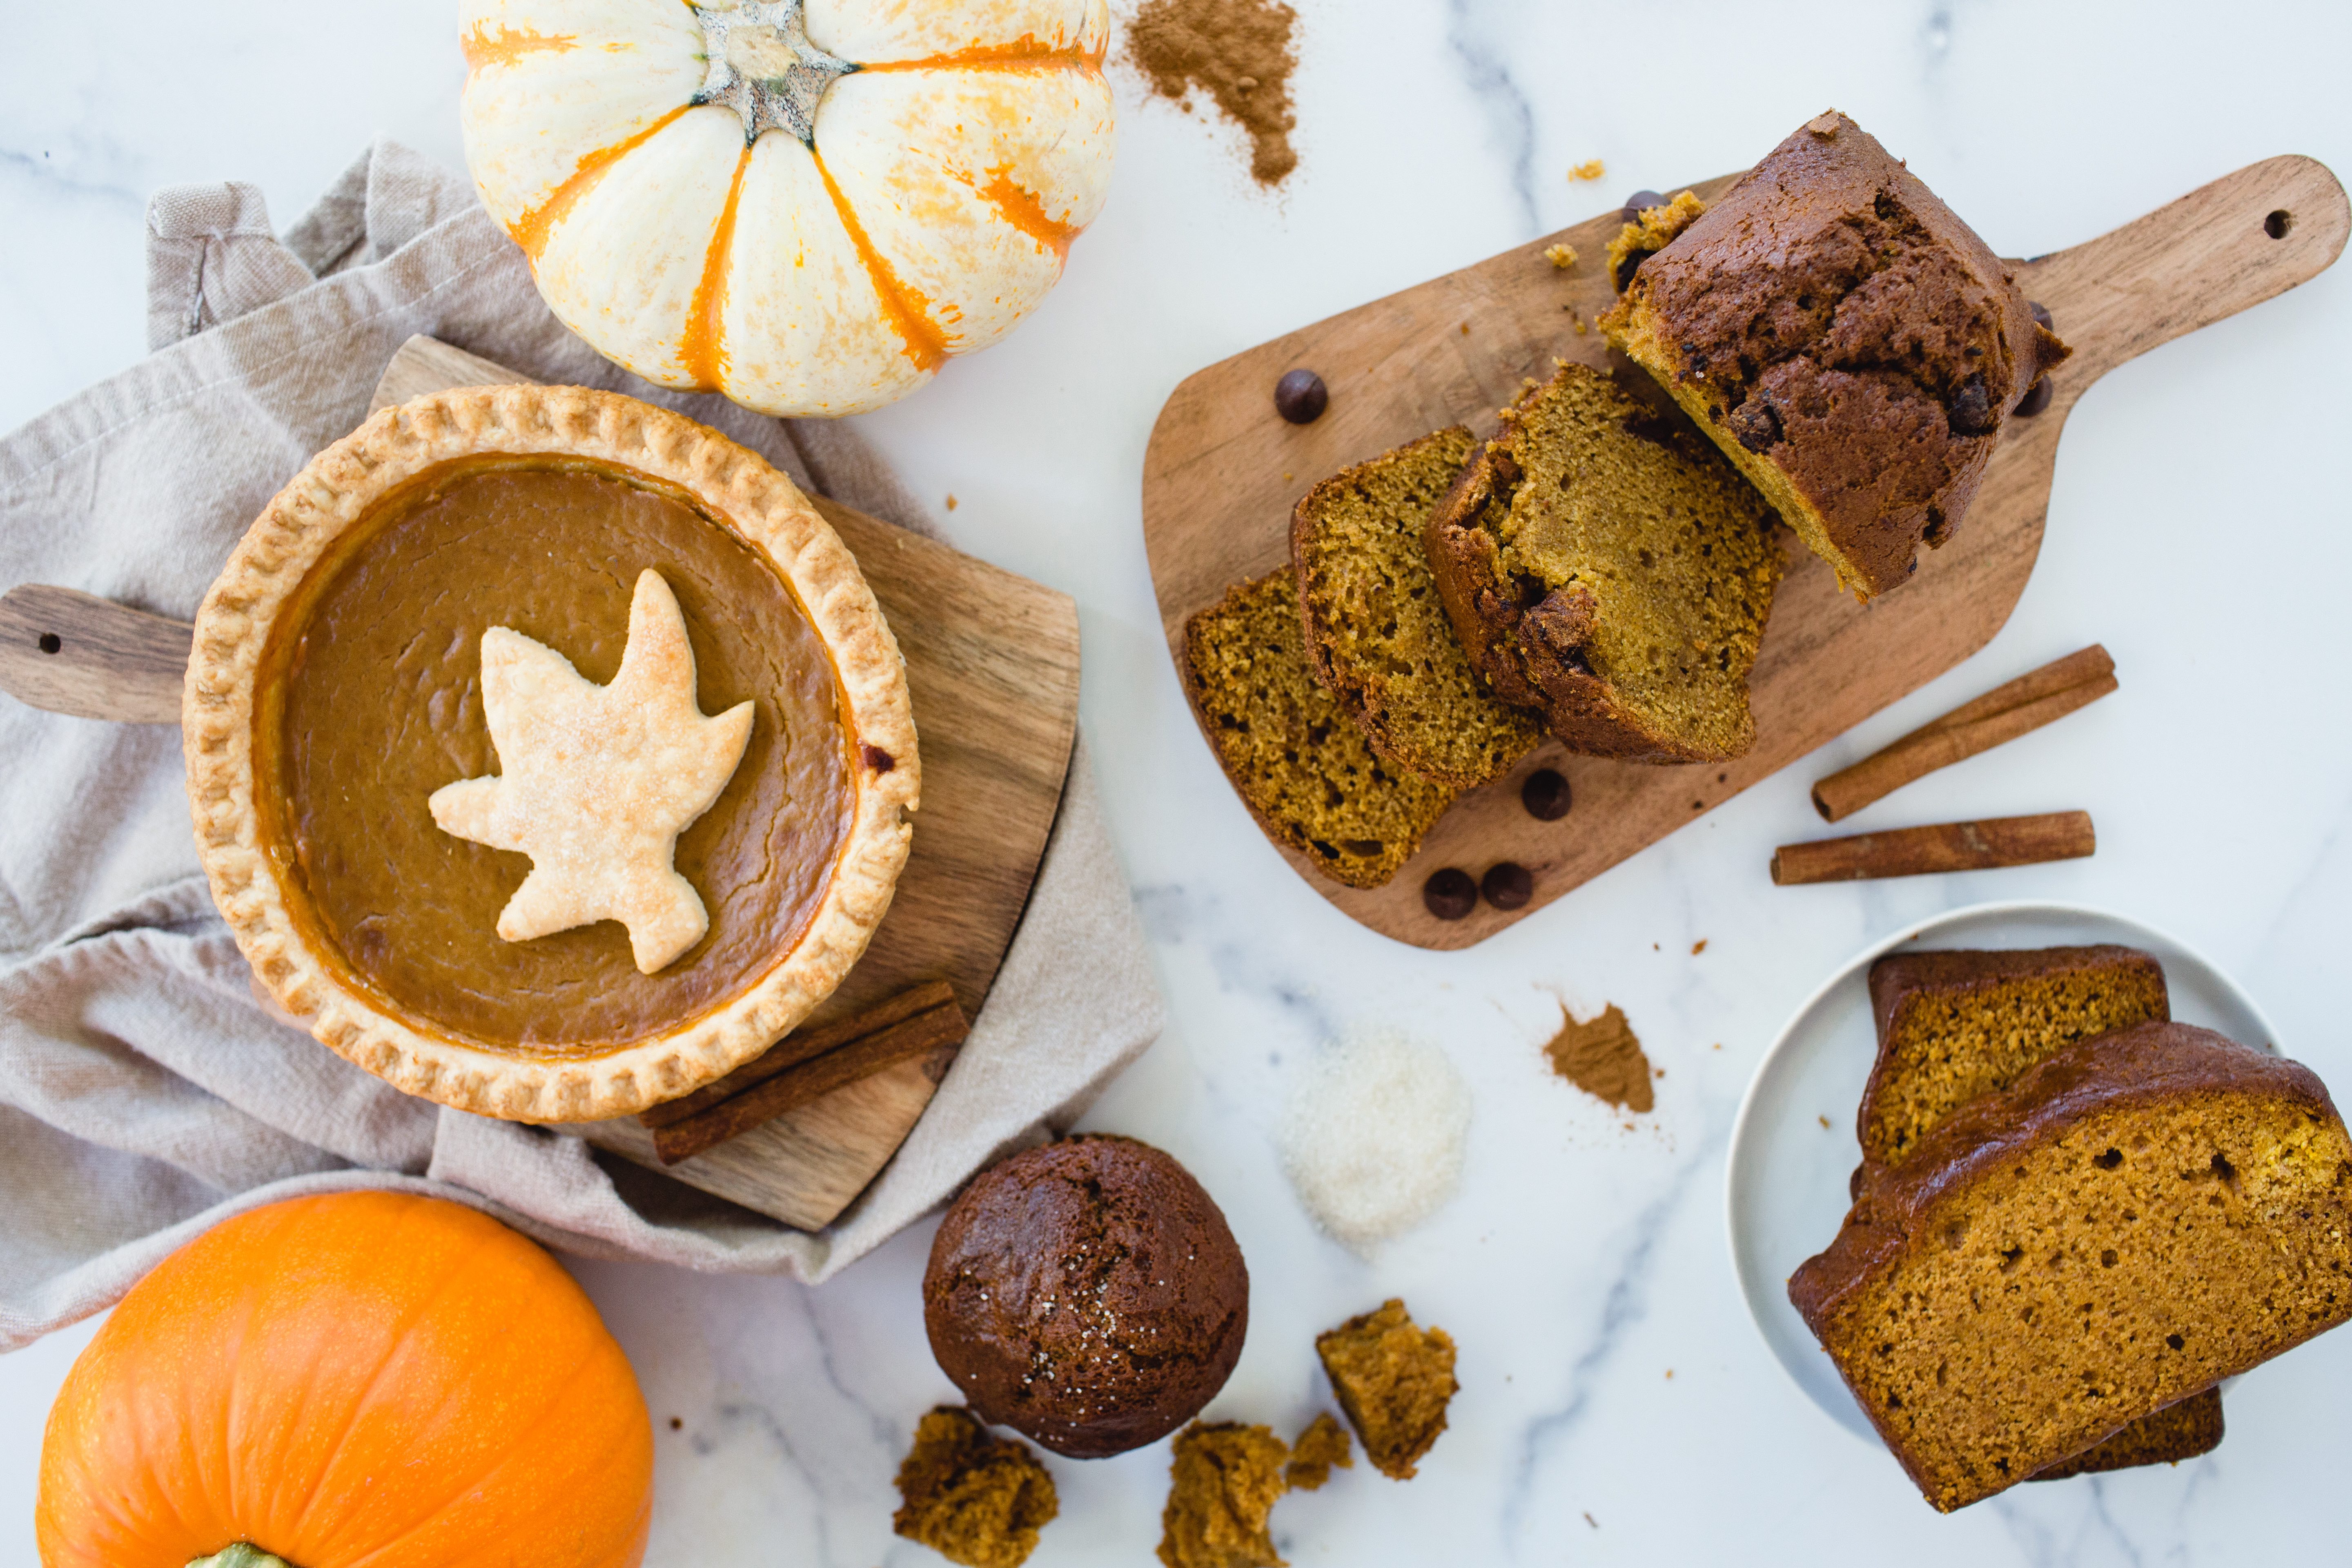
[[806, 205]]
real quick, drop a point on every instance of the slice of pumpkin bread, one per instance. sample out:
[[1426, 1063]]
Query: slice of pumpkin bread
[[2141, 1215], [1376, 630], [1296, 758], [1955, 1024], [1600, 561]]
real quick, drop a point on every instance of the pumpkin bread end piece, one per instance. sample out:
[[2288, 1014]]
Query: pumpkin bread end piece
[[1394, 1380], [1846, 339], [972, 1498], [1297, 761], [1224, 1481], [1376, 632]]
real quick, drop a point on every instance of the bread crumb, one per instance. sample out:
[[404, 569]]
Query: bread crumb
[[1223, 1482], [1698, 947], [1323, 1446], [1562, 255], [951, 500], [1590, 169], [1826, 1122], [1465, 328], [973, 1499], [1394, 1380]]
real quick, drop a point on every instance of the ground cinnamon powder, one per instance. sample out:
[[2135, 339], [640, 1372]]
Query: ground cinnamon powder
[[1604, 1059], [1237, 51]]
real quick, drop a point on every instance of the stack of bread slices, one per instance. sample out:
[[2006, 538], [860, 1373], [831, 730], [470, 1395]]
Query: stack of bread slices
[[2072, 1219]]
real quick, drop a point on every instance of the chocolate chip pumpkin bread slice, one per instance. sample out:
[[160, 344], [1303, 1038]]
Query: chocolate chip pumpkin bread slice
[[2139, 1216], [1602, 561], [1955, 1024], [1377, 634], [1292, 754]]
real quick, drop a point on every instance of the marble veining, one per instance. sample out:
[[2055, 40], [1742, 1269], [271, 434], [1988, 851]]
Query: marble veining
[[2195, 528]]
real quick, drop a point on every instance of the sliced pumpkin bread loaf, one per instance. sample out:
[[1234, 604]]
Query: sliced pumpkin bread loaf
[[1955, 1024], [1602, 561], [2140, 1215], [1294, 756], [1376, 630]]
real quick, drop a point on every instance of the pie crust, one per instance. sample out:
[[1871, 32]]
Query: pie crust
[[337, 490]]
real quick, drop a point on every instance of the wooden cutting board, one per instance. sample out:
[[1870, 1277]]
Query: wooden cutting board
[[1222, 471], [993, 669]]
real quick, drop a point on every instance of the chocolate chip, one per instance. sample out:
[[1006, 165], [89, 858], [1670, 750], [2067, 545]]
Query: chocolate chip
[[1639, 202], [1630, 265], [2036, 399], [1450, 894], [1756, 423], [2042, 314], [1507, 884], [1300, 396], [880, 761], [1545, 794], [1971, 410]]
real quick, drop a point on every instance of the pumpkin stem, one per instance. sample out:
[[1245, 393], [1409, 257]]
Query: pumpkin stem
[[243, 1554]]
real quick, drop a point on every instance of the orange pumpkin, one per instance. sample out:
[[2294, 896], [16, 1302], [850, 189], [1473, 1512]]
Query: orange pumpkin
[[361, 1377]]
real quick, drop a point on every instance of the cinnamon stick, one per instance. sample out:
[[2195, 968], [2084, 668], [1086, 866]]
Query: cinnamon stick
[[2002, 714], [1947, 847], [908, 1039], [801, 1044]]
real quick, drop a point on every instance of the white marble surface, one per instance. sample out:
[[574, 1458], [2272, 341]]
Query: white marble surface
[[1616, 1405]]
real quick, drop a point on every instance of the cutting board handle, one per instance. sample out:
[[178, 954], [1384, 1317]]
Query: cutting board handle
[[71, 652], [2237, 242]]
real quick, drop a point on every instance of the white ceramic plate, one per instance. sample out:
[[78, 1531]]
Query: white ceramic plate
[[1785, 1185]]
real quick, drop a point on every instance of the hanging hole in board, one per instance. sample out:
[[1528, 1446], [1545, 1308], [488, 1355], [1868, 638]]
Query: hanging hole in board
[[50, 642], [2278, 223]]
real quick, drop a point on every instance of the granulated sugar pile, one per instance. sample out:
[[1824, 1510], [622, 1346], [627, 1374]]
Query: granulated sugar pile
[[1373, 1135]]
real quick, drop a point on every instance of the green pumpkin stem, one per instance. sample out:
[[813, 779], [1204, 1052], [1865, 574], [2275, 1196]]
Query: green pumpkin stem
[[244, 1555]]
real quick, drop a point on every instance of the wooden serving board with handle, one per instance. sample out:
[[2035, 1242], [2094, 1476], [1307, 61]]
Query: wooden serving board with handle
[[992, 668], [1222, 471]]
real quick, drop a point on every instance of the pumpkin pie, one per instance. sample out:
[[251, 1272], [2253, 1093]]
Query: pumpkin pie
[[548, 752]]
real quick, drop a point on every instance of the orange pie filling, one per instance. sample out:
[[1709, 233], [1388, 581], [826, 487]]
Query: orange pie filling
[[370, 699]]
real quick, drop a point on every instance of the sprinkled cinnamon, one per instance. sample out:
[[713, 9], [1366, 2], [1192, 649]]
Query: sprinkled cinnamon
[[1239, 52], [1603, 1058]]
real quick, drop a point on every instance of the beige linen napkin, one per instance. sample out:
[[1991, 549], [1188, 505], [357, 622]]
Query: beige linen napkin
[[143, 1095]]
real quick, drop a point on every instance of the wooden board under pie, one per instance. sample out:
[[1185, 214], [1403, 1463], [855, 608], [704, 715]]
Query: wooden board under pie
[[1222, 471], [993, 669]]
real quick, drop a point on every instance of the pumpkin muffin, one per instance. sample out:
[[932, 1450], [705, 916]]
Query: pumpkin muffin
[[1846, 339], [1295, 757], [1224, 1481], [1394, 1381], [1601, 562], [2142, 1214], [972, 1498], [1088, 1294], [1376, 629]]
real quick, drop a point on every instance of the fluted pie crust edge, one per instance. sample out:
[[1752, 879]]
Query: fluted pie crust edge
[[336, 490]]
